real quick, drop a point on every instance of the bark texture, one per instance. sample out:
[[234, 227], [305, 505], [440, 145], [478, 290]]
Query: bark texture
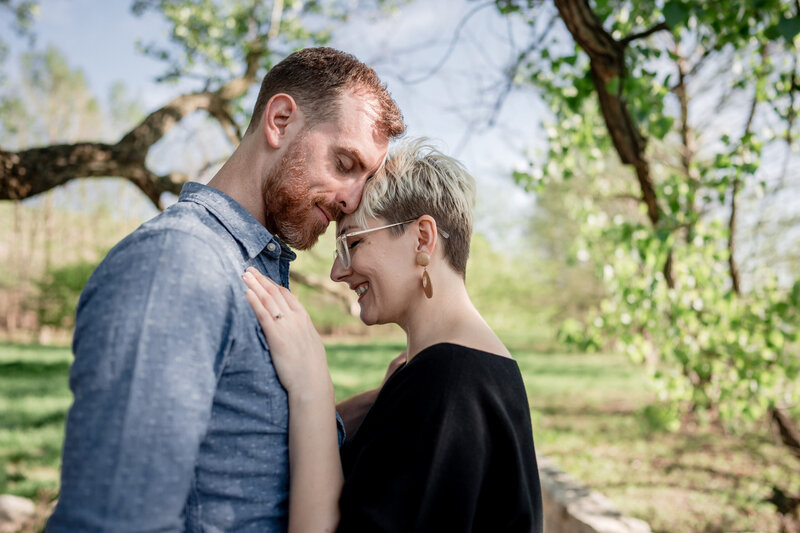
[[32, 171], [606, 64], [35, 170]]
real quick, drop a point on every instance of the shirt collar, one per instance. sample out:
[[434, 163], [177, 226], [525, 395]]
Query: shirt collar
[[248, 231]]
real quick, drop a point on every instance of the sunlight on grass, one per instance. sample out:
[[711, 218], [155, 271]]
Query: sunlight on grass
[[587, 413], [34, 398]]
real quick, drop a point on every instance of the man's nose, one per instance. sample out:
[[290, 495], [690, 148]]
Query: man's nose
[[350, 196]]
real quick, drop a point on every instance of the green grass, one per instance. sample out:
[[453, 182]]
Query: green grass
[[34, 398], [588, 415]]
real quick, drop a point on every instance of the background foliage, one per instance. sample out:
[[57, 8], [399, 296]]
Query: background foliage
[[665, 230]]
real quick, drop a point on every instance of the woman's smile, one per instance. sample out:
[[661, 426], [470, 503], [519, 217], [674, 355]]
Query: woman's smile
[[361, 289]]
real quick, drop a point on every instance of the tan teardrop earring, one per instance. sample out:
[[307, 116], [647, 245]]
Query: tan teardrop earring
[[424, 260]]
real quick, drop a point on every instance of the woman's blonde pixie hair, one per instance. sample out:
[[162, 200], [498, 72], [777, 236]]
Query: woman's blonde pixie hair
[[417, 180]]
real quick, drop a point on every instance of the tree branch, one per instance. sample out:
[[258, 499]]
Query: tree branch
[[512, 70], [228, 125], [32, 171], [275, 21], [707, 52], [450, 48], [737, 184], [647, 33], [688, 148]]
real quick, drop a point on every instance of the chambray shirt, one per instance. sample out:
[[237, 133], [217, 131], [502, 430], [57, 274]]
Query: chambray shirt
[[179, 421]]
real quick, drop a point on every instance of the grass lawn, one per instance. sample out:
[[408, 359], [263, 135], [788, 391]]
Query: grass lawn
[[587, 415]]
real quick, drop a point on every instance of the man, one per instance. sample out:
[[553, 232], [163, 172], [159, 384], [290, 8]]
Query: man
[[179, 422]]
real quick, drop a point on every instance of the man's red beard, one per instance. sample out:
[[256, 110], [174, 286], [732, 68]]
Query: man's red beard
[[290, 207]]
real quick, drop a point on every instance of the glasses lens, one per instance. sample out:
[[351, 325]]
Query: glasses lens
[[341, 251]]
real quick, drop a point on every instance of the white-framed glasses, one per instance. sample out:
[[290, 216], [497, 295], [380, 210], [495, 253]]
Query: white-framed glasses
[[342, 251]]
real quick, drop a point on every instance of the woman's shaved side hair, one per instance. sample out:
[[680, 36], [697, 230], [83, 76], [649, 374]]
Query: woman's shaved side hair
[[417, 180]]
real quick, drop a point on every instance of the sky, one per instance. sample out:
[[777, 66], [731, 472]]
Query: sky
[[444, 95]]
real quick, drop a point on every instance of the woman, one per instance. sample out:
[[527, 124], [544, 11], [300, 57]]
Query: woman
[[447, 444]]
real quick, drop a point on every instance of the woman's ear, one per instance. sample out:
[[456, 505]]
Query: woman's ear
[[427, 238], [280, 113]]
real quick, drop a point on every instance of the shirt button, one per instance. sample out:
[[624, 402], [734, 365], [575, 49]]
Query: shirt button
[[271, 247]]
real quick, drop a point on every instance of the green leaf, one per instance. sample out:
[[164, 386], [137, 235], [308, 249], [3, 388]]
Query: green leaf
[[506, 7], [772, 32], [522, 178], [662, 126], [789, 28], [675, 14], [775, 339]]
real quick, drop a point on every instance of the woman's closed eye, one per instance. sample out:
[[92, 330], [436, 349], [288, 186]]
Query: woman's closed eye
[[353, 244]]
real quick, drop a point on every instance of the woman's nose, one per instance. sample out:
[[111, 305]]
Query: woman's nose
[[338, 271]]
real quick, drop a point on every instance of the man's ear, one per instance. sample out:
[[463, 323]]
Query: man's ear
[[280, 115], [427, 238]]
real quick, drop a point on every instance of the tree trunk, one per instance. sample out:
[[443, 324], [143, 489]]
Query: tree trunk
[[787, 429], [606, 64]]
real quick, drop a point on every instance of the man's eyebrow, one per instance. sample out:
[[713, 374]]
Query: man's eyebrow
[[357, 155]]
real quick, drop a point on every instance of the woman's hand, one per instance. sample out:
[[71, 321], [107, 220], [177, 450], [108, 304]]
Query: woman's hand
[[296, 348], [299, 358]]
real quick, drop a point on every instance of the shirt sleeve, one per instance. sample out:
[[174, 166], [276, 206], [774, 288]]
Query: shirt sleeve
[[151, 333], [424, 471]]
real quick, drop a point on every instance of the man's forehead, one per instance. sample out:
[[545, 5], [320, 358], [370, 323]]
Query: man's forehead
[[366, 108]]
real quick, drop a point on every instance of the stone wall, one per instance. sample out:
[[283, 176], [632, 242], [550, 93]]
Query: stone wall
[[15, 513], [571, 507]]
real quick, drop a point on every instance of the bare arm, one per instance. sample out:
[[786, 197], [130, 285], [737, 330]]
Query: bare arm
[[299, 358], [354, 409], [316, 472]]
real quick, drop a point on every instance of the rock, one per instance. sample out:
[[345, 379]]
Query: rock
[[571, 507], [15, 512]]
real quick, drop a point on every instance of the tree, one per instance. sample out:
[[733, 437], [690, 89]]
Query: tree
[[224, 48], [22, 14], [21, 18], [688, 95], [68, 112]]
